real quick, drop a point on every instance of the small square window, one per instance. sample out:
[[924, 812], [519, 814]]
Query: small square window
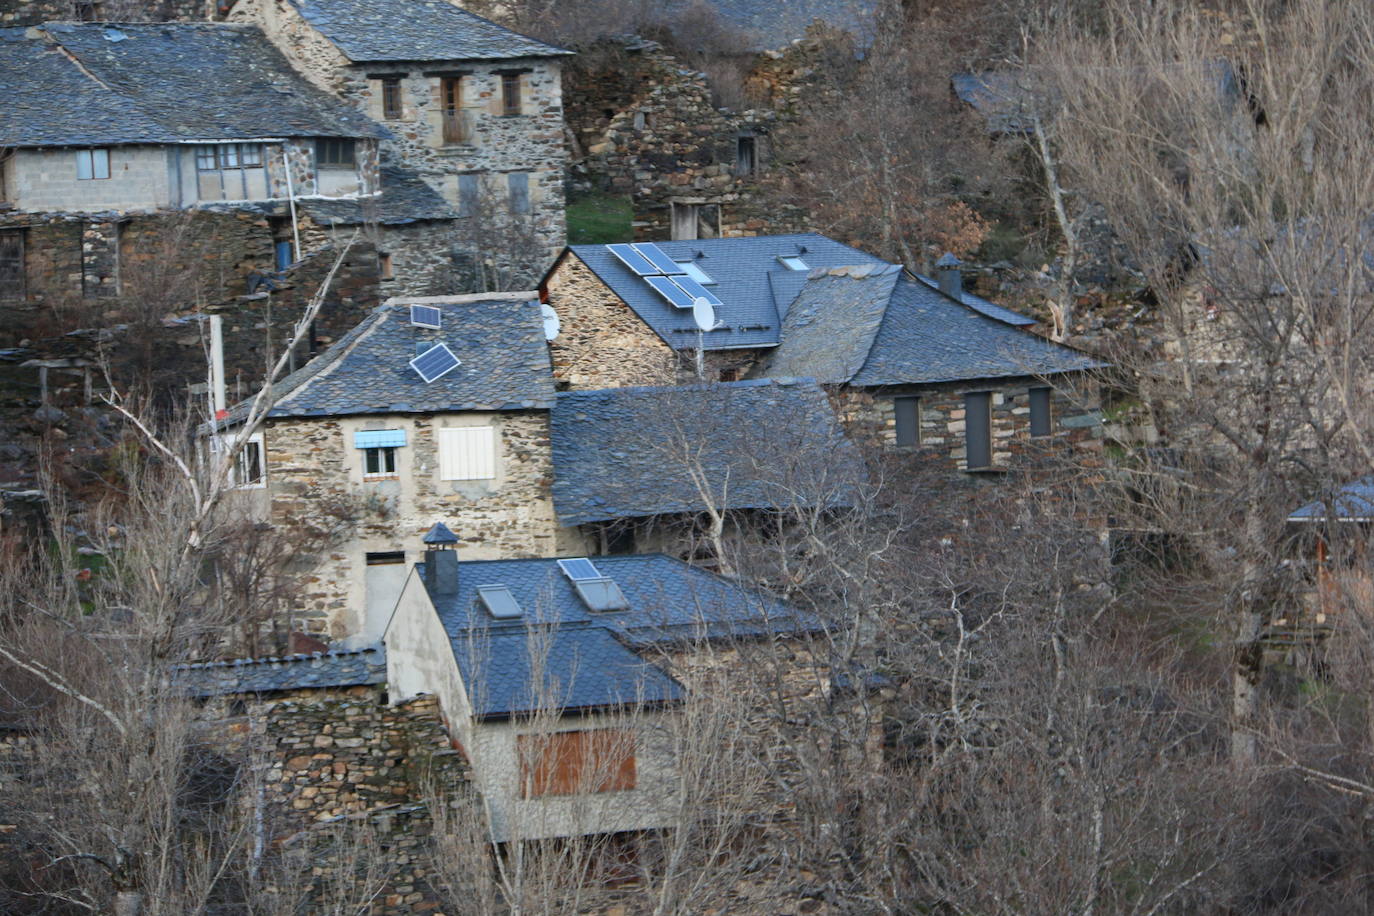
[[92, 164], [379, 462]]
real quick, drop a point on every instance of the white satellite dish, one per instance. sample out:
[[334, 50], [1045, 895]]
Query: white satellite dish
[[703, 314], [551, 322]]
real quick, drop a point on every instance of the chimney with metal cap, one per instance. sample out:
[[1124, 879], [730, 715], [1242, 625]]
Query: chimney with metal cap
[[951, 280], [441, 560]]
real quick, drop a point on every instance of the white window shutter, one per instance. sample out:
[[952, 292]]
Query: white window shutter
[[467, 453]]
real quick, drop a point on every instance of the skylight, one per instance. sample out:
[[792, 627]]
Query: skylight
[[793, 262], [499, 602], [601, 595], [426, 316], [696, 273], [435, 362]]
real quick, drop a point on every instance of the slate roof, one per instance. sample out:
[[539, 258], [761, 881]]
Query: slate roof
[[631, 452], [1352, 502], [289, 672], [413, 30], [500, 341], [405, 198], [587, 658], [750, 282], [158, 83], [773, 24], [880, 327], [991, 309]]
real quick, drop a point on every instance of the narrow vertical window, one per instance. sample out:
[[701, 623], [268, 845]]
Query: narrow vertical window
[[518, 184], [451, 108], [978, 429], [393, 109], [1040, 420], [907, 414], [384, 267], [511, 103], [468, 190], [746, 155], [12, 264]]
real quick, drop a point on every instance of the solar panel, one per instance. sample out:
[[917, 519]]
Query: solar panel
[[434, 362], [601, 594], [499, 602], [655, 256], [696, 290], [632, 259], [669, 290], [579, 568], [426, 316]]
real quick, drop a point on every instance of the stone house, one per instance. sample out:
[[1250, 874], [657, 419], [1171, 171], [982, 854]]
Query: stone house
[[474, 108], [684, 470], [546, 675], [437, 407]]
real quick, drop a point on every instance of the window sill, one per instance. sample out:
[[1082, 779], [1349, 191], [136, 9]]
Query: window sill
[[249, 486], [372, 478]]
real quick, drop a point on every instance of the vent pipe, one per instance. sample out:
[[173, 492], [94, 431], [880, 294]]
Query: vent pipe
[[218, 409]]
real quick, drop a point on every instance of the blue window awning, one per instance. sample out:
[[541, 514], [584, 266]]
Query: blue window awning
[[379, 438]]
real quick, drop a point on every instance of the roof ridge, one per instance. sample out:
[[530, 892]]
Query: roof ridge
[[785, 381], [268, 659]]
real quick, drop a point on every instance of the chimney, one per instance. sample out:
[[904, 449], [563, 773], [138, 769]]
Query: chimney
[[441, 561], [951, 281]]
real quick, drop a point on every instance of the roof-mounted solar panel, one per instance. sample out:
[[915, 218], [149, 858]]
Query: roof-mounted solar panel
[[434, 362], [426, 316], [655, 256], [665, 287], [579, 568], [632, 259], [601, 595], [499, 602], [696, 290]]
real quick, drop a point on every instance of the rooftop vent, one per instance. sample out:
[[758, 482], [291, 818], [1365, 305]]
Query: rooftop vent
[[499, 602], [426, 316]]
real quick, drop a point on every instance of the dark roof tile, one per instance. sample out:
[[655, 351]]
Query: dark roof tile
[[405, 198], [290, 672], [413, 30]]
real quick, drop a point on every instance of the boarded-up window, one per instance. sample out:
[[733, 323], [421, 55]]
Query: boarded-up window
[[576, 763], [1040, 411], [469, 187], [518, 185], [978, 429], [907, 413], [12, 264], [467, 453], [451, 107]]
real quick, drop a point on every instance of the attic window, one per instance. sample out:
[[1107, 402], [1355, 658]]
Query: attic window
[[335, 154], [793, 262], [499, 602]]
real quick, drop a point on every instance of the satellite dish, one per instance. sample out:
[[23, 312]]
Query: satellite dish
[[551, 322], [703, 314]]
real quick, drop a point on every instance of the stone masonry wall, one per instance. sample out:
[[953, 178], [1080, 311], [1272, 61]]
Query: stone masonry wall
[[34, 12], [311, 461], [601, 342]]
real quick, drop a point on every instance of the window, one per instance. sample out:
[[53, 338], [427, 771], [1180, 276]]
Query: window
[[211, 157], [978, 430], [573, 763], [250, 464], [510, 94], [335, 154], [467, 452], [384, 268], [746, 155], [518, 186], [393, 108], [379, 462], [907, 413], [469, 190], [696, 273], [12, 264], [87, 10], [385, 558], [1040, 411], [451, 109], [92, 164], [793, 263]]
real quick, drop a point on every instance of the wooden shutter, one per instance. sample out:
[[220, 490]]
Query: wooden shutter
[[907, 412], [1040, 411], [467, 453], [978, 429], [572, 763]]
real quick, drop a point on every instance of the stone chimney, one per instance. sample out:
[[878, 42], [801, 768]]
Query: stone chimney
[[441, 561], [951, 280]]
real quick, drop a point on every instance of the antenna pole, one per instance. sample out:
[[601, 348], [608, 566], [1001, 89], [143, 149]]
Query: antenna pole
[[701, 355]]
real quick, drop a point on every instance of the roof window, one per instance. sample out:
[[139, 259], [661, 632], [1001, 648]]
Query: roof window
[[696, 273], [499, 602], [793, 262]]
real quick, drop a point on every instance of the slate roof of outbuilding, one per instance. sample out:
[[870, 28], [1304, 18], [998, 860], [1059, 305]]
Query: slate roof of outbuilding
[[289, 672], [750, 281], [633, 452], [414, 30], [158, 83], [875, 328], [771, 24], [1352, 502], [405, 198], [500, 341], [588, 658], [991, 309]]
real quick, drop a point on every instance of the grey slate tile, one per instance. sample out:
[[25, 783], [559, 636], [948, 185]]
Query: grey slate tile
[[290, 672], [405, 198]]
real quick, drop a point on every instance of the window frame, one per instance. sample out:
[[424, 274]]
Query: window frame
[[92, 159], [984, 423], [237, 479], [326, 149], [906, 421], [512, 95], [392, 98], [383, 457], [452, 123], [1041, 400]]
